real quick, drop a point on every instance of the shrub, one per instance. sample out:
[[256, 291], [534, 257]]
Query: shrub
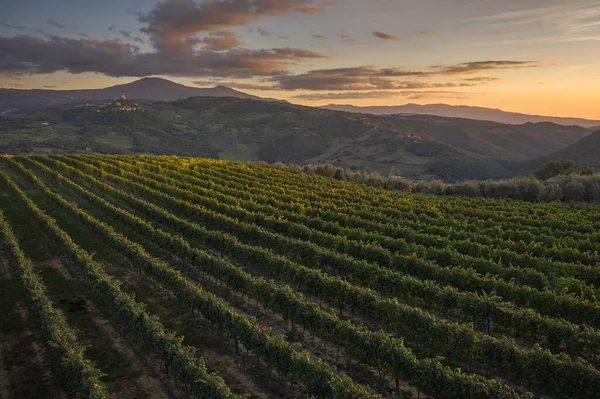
[[573, 183]]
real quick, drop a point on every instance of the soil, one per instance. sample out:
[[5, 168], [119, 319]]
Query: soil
[[141, 378], [25, 371]]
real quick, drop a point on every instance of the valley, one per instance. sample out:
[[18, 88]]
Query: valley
[[415, 146]]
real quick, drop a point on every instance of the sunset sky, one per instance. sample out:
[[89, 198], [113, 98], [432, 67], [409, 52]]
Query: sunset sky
[[530, 56]]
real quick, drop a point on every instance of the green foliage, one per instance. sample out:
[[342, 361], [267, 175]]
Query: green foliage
[[558, 181], [560, 168], [67, 352], [178, 358], [472, 279]]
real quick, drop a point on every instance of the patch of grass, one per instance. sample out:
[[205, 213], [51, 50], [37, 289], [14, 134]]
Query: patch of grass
[[115, 140], [239, 153]]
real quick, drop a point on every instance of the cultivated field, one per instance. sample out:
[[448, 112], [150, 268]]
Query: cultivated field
[[168, 277]]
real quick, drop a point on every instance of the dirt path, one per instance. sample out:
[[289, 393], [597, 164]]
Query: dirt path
[[140, 378], [131, 372], [5, 340], [24, 367], [242, 373], [29, 373]]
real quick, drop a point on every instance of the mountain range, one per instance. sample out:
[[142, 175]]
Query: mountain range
[[464, 111], [151, 89], [157, 89], [584, 152], [415, 146]]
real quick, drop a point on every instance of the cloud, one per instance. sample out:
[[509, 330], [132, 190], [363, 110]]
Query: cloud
[[427, 32], [308, 9], [36, 30], [55, 24], [283, 37], [264, 32], [49, 86], [561, 21], [481, 79], [579, 39], [346, 38], [174, 20], [385, 36], [356, 78], [365, 77], [439, 97], [190, 39], [220, 40], [317, 36], [234, 85], [40, 31], [369, 78], [418, 95], [347, 95], [83, 35], [12, 26], [411, 94], [430, 92], [25, 54], [129, 35], [32, 54], [481, 66], [10, 75]]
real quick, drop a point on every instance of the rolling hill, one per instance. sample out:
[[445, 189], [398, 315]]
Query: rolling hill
[[416, 146], [463, 111], [153, 89], [584, 152]]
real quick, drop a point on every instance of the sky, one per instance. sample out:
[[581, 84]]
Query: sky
[[529, 56]]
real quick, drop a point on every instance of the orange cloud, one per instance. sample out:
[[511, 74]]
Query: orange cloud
[[385, 36]]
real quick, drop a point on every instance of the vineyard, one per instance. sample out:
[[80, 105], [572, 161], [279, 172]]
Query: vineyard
[[171, 277]]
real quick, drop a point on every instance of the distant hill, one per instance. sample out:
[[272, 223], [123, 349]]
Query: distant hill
[[153, 89], [584, 152], [463, 111], [416, 146]]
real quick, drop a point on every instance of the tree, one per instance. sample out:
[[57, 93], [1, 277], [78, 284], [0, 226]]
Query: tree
[[566, 167]]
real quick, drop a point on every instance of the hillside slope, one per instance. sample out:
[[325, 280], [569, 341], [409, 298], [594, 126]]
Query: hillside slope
[[584, 152], [241, 129]]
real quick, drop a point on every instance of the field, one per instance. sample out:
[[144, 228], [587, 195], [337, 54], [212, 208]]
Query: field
[[168, 277]]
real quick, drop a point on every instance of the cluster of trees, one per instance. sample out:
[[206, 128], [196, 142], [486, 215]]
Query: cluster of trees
[[563, 168], [556, 181]]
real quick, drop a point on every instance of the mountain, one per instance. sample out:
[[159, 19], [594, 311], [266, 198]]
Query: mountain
[[152, 89], [584, 152], [416, 146], [463, 111]]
